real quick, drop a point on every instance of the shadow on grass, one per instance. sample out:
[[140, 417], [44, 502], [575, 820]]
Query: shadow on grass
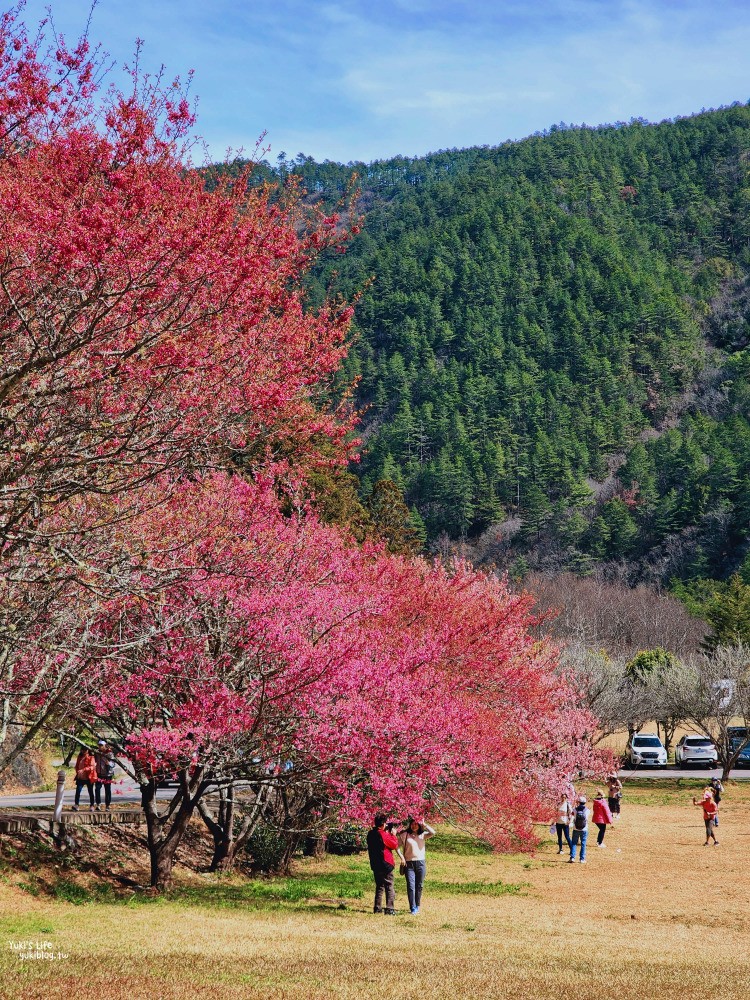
[[459, 843], [312, 892], [331, 887], [81, 881]]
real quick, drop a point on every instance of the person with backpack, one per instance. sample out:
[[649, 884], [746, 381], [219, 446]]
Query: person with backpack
[[381, 842], [602, 817], [563, 819], [85, 776], [710, 810], [580, 835], [105, 772]]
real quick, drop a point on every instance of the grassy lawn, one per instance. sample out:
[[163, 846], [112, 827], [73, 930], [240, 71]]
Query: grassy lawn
[[654, 915]]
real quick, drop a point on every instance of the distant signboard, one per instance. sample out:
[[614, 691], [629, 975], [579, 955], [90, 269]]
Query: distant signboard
[[724, 690]]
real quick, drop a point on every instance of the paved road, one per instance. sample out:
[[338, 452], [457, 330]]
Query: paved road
[[122, 791], [740, 774], [126, 791]]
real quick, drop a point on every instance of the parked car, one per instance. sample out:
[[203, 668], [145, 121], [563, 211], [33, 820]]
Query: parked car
[[698, 750], [737, 736], [646, 750]]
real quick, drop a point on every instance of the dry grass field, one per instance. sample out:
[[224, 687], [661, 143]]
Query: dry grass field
[[655, 915]]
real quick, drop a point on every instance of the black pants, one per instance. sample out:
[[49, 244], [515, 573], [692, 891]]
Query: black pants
[[384, 885], [107, 786], [563, 830], [80, 784], [602, 830], [614, 804]]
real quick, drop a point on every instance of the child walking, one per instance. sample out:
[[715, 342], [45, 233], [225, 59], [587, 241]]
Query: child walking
[[710, 811], [602, 817]]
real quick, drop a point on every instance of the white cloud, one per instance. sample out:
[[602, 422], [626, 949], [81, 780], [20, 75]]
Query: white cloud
[[459, 87], [352, 79]]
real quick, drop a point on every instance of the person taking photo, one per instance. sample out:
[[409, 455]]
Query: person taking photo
[[381, 843]]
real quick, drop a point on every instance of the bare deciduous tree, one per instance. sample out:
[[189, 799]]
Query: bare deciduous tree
[[614, 699], [717, 697], [621, 701], [620, 619]]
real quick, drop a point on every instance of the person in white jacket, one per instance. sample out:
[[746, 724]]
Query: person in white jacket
[[581, 817], [412, 840], [563, 819]]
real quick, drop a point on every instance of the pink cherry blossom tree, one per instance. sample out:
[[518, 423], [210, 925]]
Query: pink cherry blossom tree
[[285, 657], [150, 327]]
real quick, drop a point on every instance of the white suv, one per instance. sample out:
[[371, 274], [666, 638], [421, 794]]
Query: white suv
[[695, 750], [646, 750]]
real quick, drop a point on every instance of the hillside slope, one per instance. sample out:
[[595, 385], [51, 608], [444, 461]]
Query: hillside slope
[[546, 313]]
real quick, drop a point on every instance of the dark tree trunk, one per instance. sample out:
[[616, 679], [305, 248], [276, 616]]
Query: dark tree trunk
[[293, 841], [667, 728], [221, 828], [315, 847], [162, 863], [228, 839], [165, 831]]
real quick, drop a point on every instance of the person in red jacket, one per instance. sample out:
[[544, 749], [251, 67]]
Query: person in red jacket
[[381, 843], [85, 776], [602, 817], [710, 812]]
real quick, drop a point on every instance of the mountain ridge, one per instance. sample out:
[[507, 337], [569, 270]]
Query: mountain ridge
[[545, 308]]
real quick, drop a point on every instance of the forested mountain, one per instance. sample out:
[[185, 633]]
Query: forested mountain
[[555, 339]]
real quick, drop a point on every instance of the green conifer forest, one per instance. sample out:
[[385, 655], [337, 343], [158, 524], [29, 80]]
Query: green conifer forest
[[554, 335]]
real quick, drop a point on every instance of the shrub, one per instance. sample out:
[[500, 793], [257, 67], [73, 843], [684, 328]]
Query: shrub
[[346, 839], [269, 849]]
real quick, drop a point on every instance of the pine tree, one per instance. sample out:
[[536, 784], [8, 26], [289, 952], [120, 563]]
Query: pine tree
[[728, 614]]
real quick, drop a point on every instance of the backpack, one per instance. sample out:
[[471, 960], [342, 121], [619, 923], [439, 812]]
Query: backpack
[[580, 818]]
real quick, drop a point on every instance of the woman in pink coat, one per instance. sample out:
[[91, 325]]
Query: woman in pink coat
[[602, 817]]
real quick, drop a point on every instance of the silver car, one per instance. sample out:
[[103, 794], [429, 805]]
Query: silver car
[[697, 750]]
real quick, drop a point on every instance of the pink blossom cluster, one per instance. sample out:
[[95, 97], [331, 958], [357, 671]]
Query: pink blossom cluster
[[163, 390], [383, 680]]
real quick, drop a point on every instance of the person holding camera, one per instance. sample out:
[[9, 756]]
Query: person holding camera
[[381, 842]]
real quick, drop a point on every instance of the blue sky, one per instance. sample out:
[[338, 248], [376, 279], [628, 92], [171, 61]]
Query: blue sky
[[349, 79]]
